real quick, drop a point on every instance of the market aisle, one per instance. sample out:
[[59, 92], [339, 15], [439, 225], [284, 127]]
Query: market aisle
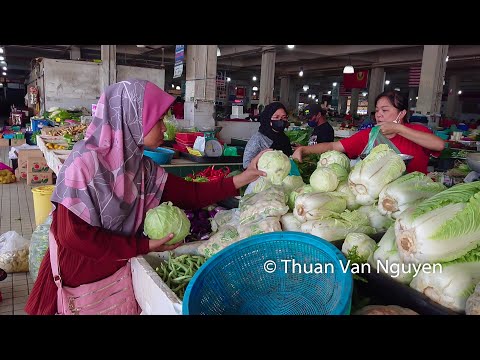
[[16, 213]]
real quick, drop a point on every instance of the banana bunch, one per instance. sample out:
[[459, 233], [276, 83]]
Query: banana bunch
[[7, 177], [52, 146]]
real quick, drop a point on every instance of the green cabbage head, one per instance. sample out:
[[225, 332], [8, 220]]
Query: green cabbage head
[[165, 219], [276, 165]]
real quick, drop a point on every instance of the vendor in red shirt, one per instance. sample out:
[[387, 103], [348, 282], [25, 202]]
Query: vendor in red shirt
[[410, 139], [106, 186]]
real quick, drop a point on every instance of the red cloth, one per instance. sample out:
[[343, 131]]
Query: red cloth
[[177, 110], [355, 144], [88, 253]]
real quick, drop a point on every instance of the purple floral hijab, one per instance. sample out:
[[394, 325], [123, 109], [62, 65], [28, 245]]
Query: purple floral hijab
[[106, 180]]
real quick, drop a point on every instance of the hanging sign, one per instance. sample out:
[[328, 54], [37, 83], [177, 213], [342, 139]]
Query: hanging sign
[[179, 56]]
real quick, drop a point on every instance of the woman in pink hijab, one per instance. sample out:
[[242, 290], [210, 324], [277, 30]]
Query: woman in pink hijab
[[106, 186]]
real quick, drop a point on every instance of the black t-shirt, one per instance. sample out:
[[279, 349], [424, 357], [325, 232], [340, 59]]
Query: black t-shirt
[[322, 133]]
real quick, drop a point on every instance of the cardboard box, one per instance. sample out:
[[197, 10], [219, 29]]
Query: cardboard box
[[24, 155], [4, 142], [40, 178], [17, 142], [20, 175], [37, 165]]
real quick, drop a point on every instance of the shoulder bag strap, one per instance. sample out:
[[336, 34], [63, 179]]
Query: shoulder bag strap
[[54, 259]]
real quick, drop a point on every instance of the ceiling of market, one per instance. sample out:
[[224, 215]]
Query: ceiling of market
[[322, 64]]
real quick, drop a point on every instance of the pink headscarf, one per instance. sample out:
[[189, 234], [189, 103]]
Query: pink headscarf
[[106, 180]]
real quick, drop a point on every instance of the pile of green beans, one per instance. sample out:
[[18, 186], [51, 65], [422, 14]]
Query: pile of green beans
[[177, 271]]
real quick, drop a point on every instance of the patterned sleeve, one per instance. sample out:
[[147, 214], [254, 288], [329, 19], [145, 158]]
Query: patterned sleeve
[[255, 145]]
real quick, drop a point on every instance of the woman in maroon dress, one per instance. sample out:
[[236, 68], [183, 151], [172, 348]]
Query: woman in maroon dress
[[106, 186]]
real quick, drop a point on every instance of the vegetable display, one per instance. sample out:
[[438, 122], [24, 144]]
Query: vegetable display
[[405, 192], [362, 244], [370, 175], [177, 271], [165, 219], [441, 228], [334, 157], [453, 282], [209, 174]]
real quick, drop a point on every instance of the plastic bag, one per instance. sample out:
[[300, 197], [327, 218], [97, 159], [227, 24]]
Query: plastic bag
[[266, 203], [13, 252], [225, 217], [376, 138], [262, 226], [225, 236], [171, 126], [38, 247]]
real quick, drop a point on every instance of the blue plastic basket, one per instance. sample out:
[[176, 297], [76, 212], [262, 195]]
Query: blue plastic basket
[[235, 281], [160, 155]]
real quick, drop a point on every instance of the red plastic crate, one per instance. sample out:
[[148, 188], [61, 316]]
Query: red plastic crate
[[187, 137]]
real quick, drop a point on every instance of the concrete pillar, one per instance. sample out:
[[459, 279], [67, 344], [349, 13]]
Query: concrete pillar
[[342, 104], [75, 53], [267, 77], [431, 79], [335, 96], [293, 96], [354, 101], [200, 86], [109, 65], [376, 86], [285, 91], [412, 95], [452, 100]]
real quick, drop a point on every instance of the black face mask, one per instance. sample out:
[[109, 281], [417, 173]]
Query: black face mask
[[279, 125]]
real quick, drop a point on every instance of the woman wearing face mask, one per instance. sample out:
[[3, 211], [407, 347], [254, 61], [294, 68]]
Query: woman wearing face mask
[[273, 122], [323, 131], [410, 139]]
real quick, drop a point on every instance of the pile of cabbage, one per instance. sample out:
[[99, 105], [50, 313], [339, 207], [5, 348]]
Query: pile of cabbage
[[423, 223]]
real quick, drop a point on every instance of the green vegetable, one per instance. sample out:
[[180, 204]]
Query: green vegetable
[[441, 228], [324, 179], [165, 219], [451, 284], [405, 191], [387, 255], [299, 137], [369, 176], [334, 157], [307, 166], [276, 165], [305, 189], [177, 271], [360, 245]]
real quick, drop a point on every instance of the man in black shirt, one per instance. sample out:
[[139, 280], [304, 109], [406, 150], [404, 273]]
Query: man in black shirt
[[323, 131]]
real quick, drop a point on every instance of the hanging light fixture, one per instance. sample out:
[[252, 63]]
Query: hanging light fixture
[[348, 69], [301, 72], [306, 87], [387, 82], [254, 78], [290, 46], [334, 84], [229, 79], [255, 88]]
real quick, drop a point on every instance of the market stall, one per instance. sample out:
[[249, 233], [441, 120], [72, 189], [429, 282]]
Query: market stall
[[365, 214]]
